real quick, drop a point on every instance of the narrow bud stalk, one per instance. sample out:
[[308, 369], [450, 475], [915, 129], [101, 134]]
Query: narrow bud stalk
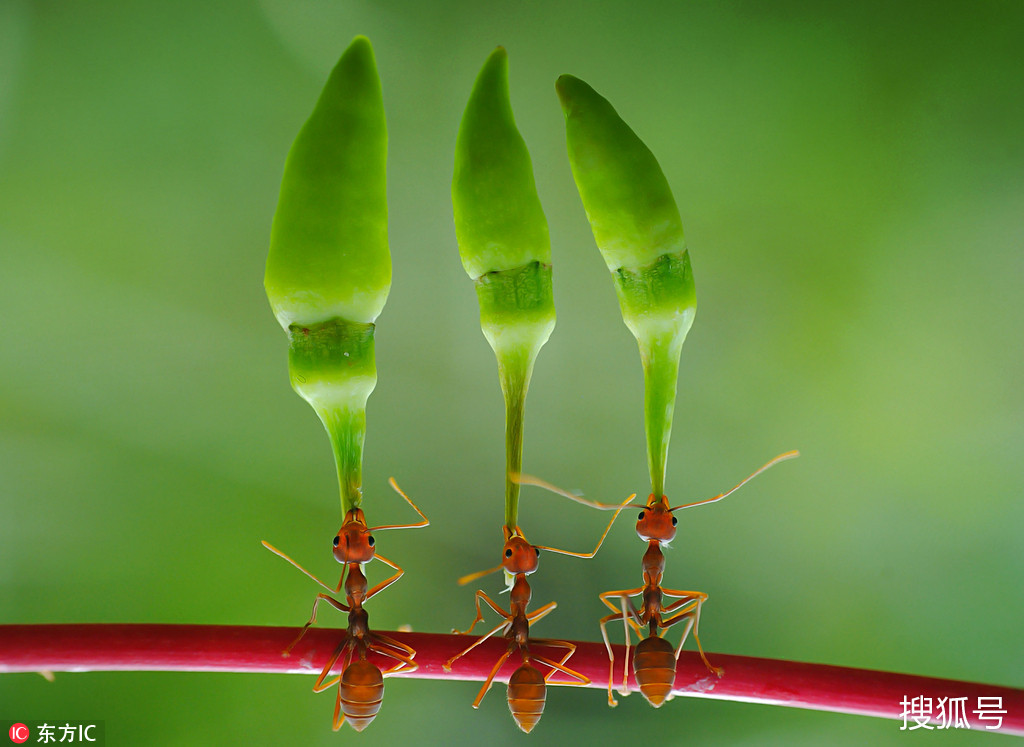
[[505, 249]]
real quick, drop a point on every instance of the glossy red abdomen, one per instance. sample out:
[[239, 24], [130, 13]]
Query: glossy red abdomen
[[362, 690], [654, 666], [526, 694]]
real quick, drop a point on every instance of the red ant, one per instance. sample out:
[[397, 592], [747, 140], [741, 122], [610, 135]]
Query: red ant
[[361, 683], [527, 687], [654, 663]]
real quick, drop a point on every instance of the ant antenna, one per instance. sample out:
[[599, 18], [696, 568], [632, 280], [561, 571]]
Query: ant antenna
[[780, 458]]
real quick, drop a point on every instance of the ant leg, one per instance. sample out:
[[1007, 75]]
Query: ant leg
[[386, 582], [606, 596], [684, 595], [555, 666], [688, 605], [398, 645], [404, 659], [339, 717], [679, 609], [447, 666], [692, 615], [490, 678], [312, 619], [480, 615], [679, 649], [717, 671], [611, 658], [541, 612], [280, 554], [630, 617], [569, 646], [346, 648], [570, 649]]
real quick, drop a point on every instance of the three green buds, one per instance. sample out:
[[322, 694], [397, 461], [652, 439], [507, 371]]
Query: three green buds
[[329, 268]]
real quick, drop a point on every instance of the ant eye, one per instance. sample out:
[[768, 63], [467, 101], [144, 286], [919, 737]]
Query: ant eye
[[537, 550], [337, 541], [641, 516], [508, 553], [370, 540], [674, 521]]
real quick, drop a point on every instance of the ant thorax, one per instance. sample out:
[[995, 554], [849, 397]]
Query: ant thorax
[[653, 563], [355, 583]]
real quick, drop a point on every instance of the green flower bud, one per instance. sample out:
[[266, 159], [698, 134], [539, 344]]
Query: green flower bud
[[329, 268], [329, 241], [504, 245], [637, 227], [499, 221]]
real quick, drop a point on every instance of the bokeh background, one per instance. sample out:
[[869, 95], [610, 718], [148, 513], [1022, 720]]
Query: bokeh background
[[850, 180]]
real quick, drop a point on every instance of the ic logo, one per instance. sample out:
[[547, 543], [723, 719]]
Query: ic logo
[[19, 733]]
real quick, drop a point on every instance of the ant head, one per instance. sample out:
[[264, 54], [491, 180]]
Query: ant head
[[519, 556], [656, 521], [354, 543]]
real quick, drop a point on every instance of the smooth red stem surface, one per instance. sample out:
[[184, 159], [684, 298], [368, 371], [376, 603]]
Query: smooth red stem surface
[[216, 648]]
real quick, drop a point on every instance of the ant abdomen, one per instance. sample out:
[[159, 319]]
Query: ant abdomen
[[654, 665], [526, 695], [361, 691]]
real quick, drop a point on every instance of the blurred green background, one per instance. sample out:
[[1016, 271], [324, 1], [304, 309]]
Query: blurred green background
[[850, 182]]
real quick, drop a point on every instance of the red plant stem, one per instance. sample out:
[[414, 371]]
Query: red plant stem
[[215, 648]]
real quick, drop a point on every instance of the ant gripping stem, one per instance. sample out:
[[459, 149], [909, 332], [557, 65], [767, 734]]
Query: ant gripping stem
[[361, 684]]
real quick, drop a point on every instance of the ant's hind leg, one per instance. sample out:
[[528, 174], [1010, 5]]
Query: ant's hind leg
[[403, 654], [717, 671], [490, 679], [692, 618], [624, 688], [346, 648], [583, 680]]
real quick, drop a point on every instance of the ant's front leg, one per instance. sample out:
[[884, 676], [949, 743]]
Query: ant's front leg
[[386, 582], [312, 618], [480, 615]]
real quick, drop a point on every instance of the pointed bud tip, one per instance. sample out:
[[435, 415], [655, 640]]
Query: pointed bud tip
[[496, 63], [359, 49], [569, 88], [360, 41]]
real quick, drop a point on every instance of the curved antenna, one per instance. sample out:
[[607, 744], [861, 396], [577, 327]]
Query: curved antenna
[[418, 525], [599, 542], [524, 479], [780, 458], [280, 554], [479, 574]]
